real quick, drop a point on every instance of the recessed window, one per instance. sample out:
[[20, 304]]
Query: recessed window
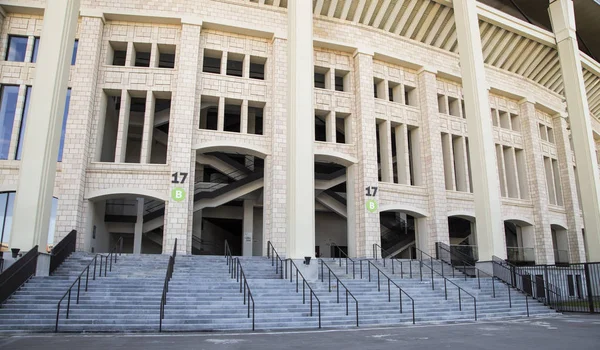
[[8, 106], [321, 77], [410, 96], [233, 115], [74, 55], [17, 46], [442, 107], [255, 117], [257, 67], [394, 91], [36, 47], [142, 55], [118, 53], [235, 64], [209, 112], [212, 61], [166, 56], [320, 126], [379, 88], [341, 80]]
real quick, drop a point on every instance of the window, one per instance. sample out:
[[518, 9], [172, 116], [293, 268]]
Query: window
[[7, 201], [142, 55], [64, 125], [255, 117], [321, 77], [394, 91], [410, 96], [8, 106], [166, 56], [379, 88], [235, 64], [212, 61], [341, 80], [209, 112], [17, 46], [233, 115], [321, 126], [257, 67], [74, 55], [110, 127], [36, 47], [342, 128], [118, 53], [160, 131]]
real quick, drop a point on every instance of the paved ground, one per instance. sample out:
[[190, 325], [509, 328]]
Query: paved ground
[[563, 332]]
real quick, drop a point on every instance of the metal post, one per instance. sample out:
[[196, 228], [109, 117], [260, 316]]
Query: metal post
[[588, 284]]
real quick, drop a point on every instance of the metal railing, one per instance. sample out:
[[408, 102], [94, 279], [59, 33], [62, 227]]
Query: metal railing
[[520, 255], [62, 250], [240, 276], [338, 282], [77, 281], [228, 256], [18, 273], [112, 255], [168, 275], [390, 282], [304, 285], [276, 260], [345, 256], [422, 263]]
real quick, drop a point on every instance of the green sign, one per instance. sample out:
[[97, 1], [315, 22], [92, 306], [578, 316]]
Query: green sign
[[178, 194], [372, 205]]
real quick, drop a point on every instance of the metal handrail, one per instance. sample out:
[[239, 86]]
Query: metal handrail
[[62, 250], [228, 256], [390, 281], [18, 273], [85, 270], [168, 275], [338, 288], [240, 276], [346, 257], [512, 271], [275, 260], [421, 264], [113, 254], [304, 283]]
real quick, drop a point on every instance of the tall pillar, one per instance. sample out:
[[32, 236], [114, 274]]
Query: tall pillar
[[562, 17], [364, 174], [139, 226], [248, 223], [568, 183], [301, 134], [538, 191], [436, 223], [186, 111], [33, 200], [486, 185]]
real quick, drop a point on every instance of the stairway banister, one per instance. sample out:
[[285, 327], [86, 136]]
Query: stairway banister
[[347, 258], [240, 276], [18, 273], [401, 291], [338, 289], [304, 282], [168, 276], [276, 260], [62, 250]]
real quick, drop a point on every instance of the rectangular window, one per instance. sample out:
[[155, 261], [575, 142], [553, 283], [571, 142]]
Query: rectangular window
[[341, 80], [74, 55], [321, 77], [135, 128], [448, 162], [414, 156], [17, 46], [494, 114], [522, 172], [504, 120], [142, 55], [515, 122], [166, 56], [549, 180], [410, 96], [64, 125], [7, 201], [212, 61], [36, 47], [118, 53], [8, 107], [160, 131], [255, 117], [394, 91], [110, 127], [233, 115], [557, 187], [379, 86], [342, 126], [320, 126], [442, 108], [209, 113], [454, 106], [257, 67], [23, 122], [235, 64]]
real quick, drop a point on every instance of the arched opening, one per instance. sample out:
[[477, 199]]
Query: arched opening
[[398, 234], [520, 242], [560, 244], [135, 217], [228, 202], [331, 211], [463, 239]]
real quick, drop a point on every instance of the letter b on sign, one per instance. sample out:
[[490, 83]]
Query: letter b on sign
[[178, 194], [372, 205]]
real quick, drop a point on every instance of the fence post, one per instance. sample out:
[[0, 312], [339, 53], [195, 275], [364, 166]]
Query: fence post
[[588, 284]]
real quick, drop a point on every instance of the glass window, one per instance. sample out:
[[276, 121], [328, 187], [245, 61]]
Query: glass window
[[8, 105], [74, 56], [64, 125], [36, 47], [17, 45], [7, 200], [22, 127]]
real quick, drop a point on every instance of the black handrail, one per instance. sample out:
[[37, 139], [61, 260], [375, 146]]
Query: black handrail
[[275, 260], [240, 276], [113, 254], [338, 288], [18, 273], [421, 264], [228, 256], [346, 257], [168, 275], [304, 284], [85, 270], [390, 281], [511, 270], [62, 250]]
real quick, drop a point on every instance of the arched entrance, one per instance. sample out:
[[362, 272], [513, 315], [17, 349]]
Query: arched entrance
[[520, 242], [560, 244], [463, 238], [402, 229]]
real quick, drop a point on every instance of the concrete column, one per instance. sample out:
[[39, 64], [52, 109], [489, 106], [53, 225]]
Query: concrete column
[[490, 230], [37, 173], [224, 63], [148, 128], [563, 23], [244, 117], [130, 55], [385, 152], [78, 150], [123, 128], [538, 192], [185, 112], [301, 135], [569, 189], [275, 123], [435, 226], [330, 127], [364, 174], [248, 228], [154, 55], [460, 161], [221, 114], [139, 226], [246, 67], [402, 157]]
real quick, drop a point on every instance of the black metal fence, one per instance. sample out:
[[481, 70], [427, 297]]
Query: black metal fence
[[18, 273], [62, 250]]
